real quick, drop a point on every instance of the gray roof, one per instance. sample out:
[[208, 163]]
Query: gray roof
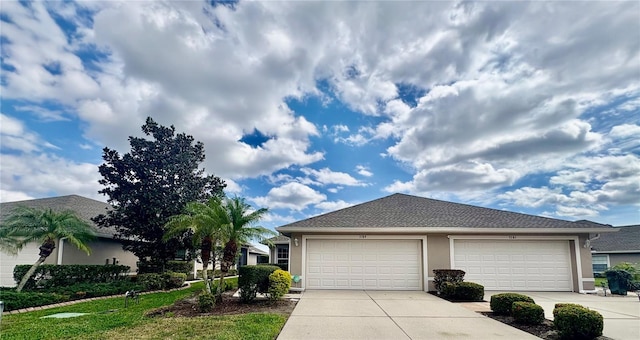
[[400, 210], [626, 239], [85, 208], [278, 239]]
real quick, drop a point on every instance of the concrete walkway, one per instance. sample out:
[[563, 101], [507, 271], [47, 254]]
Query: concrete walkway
[[331, 314], [621, 313]]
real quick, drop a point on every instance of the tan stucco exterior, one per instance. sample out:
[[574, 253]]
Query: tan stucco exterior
[[438, 254]]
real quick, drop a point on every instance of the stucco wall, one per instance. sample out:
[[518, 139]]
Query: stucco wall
[[438, 256], [101, 250]]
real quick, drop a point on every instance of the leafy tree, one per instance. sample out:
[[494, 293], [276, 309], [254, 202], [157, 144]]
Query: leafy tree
[[238, 221], [25, 225], [201, 220], [151, 183]]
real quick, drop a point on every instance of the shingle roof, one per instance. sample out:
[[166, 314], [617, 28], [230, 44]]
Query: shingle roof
[[85, 208], [400, 210], [626, 239], [277, 239]]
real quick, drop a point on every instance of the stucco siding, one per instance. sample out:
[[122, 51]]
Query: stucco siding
[[438, 256], [101, 251]]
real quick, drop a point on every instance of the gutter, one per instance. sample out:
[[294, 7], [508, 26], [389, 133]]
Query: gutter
[[449, 230]]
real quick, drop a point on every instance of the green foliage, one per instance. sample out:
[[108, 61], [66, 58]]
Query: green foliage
[[501, 303], [557, 307], [145, 267], [527, 313], [279, 284], [463, 291], [174, 280], [631, 268], [229, 284], [577, 322], [619, 281], [151, 183], [151, 281], [89, 290], [206, 302], [18, 300], [50, 275], [253, 280], [447, 275], [216, 273]]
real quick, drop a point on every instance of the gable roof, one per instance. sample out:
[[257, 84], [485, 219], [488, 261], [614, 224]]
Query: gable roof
[[412, 213], [85, 208], [627, 239]]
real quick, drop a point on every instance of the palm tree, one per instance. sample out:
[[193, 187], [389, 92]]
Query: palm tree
[[238, 220], [202, 220], [25, 225]]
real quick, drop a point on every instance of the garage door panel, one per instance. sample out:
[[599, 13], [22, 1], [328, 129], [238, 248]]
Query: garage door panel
[[515, 265], [364, 264]]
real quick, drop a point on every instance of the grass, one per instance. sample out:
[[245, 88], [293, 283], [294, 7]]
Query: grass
[[600, 281], [109, 319]]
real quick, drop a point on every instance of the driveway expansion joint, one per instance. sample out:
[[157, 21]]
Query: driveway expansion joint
[[389, 316]]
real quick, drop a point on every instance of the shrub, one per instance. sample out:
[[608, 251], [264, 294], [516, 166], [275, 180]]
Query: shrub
[[527, 313], [631, 268], [501, 303], [206, 302], [557, 307], [463, 291], [447, 275], [151, 281], [51, 275], [185, 267], [254, 280], [211, 274], [279, 284], [577, 322], [89, 290], [173, 280], [13, 300]]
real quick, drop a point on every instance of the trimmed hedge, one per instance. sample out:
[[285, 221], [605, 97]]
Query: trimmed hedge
[[254, 280], [501, 303], [557, 307], [577, 322], [89, 290], [441, 276], [168, 280], [527, 313], [463, 291], [279, 284], [211, 274], [13, 300], [185, 267], [51, 275]]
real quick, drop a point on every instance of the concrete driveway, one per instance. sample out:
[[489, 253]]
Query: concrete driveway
[[621, 313], [331, 314]]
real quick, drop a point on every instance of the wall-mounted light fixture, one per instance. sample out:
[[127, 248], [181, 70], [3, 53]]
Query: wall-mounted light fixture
[[295, 241]]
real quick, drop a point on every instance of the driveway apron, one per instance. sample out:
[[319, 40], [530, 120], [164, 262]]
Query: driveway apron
[[358, 314]]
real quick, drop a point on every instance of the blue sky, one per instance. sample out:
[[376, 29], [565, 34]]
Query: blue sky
[[308, 107]]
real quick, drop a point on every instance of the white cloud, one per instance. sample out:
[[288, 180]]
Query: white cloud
[[332, 205], [15, 136], [232, 187], [294, 196], [325, 176], [363, 171]]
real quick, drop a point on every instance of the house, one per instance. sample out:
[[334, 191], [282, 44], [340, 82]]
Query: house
[[395, 243], [104, 249], [279, 250], [613, 248], [249, 255]]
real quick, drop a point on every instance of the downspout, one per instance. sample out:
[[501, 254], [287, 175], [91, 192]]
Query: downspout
[[60, 250]]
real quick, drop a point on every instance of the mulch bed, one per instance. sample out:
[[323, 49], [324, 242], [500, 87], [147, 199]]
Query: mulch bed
[[229, 305], [543, 331]]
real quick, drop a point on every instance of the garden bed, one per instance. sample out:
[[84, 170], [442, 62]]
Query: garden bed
[[544, 331]]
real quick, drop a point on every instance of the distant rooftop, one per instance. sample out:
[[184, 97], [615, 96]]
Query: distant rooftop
[[626, 239]]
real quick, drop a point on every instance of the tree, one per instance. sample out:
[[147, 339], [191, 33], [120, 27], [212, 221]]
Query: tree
[[151, 183], [238, 222], [25, 225], [201, 220]]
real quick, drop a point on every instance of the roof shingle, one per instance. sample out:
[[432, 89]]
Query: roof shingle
[[626, 239]]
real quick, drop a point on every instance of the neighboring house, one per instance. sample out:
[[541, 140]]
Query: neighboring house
[[249, 255], [394, 243], [611, 249], [104, 249], [279, 250]]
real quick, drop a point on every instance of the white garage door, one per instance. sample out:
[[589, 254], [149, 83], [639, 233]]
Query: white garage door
[[364, 264], [515, 265]]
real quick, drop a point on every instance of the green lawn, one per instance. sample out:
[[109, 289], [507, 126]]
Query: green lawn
[[109, 319], [600, 281]]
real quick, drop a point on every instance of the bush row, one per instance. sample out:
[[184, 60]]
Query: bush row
[[572, 321], [211, 274], [254, 280], [145, 267], [167, 280], [14, 300], [442, 276], [463, 291], [51, 275]]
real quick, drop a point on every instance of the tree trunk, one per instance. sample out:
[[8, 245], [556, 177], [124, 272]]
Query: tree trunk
[[206, 256], [220, 289], [29, 273], [228, 257]]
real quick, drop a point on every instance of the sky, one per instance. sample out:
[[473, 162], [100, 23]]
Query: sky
[[307, 107]]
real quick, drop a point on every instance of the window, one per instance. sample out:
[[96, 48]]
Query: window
[[600, 263], [282, 254]]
